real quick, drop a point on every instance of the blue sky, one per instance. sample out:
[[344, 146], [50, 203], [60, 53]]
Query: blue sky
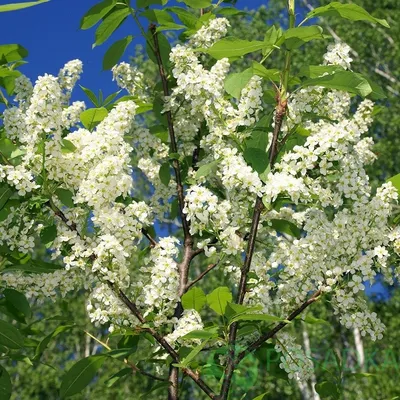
[[51, 34]]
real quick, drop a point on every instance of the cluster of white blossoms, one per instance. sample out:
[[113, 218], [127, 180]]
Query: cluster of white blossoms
[[128, 77], [293, 359], [159, 280], [338, 236]]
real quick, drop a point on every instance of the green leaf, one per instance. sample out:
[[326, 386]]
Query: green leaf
[[261, 396], [395, 181], [92, 117], [110, 24], [235, 83], [65, 196], [283, 226], [352, 12], [232, 47], [293, 38], [170, 26], [19, 6], [12, 52], [257, 317], [228, 11], [34, 266], [315, 71], [41, 347], [19, 301], [67, 146], [120, 353], [346, 81], [112, 380], [5, 193], [273, 75], [48, 234], [115, 52], [327, 390], [197, 3], [165, 173], [157, 16], [206, 169], [219, 298], [309, 319], [192, 355], [92, 97], [194, 299], [258, 159], [146, 3], [80, 375], [10, 336], [187, 18], [96, 13], [201, 335], [5, 384], [7, 147]]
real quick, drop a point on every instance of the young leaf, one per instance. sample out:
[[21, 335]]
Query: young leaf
[[5, 193], [283, 226], [206, 169], [194, 299], [41, 347], [92, 117], [327, 389], [219, 298], [165, 173], [12, 52], [192, 355], [315, 71], [232, 47], [197, 3], [187, 18], [235, 83], [19, 301], [5, 384], [67, 146], [65, 196], [92, 97], [48, 234], [112, 380], [10, 336], [257, 158], [158, 16], [201, 335], [110, 24], [146, 3], [19, 6], [352, 12], [80, 375], [395, 181], [96, 13], [115, 52], [293, 38], [346, 81]]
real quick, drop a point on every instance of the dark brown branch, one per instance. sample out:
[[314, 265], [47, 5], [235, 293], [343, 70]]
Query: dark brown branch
[[171, 130], [268, 335], [258, 208], [136, 312], [152, 241], [201, 276]]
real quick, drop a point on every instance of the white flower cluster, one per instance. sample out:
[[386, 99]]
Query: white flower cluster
[[189, 321], [67, 78], [129, 78], [160, 280], [293, 359], [338, 54]]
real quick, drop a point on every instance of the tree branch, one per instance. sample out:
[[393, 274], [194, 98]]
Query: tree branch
[[201, 276], [268, 335], [136, 312]]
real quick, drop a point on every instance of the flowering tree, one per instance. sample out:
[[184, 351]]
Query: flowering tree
[[260, 174]]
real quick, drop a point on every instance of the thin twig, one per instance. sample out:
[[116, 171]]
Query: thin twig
[[201, 276], [268, 335], [152, 241]]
